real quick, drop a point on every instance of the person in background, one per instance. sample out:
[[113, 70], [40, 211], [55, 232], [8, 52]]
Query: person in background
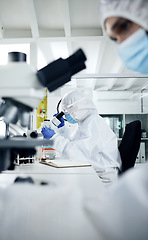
[[126, 23], [123, 211], [93, 141]]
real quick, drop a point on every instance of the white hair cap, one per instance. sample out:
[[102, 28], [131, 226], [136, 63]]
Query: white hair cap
[[77, 104], [134, 10]]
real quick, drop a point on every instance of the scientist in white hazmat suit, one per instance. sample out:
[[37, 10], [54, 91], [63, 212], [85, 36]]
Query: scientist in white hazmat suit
[[123, 211], [93, 141]]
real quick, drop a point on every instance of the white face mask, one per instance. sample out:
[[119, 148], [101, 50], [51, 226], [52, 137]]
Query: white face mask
[[134, 51]]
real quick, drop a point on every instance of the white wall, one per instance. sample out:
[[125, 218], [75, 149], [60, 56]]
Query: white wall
[[112, 103], [118, 106], [145, 101]]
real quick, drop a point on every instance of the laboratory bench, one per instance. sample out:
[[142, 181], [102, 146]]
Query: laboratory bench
[[84, 177], [54, 210]]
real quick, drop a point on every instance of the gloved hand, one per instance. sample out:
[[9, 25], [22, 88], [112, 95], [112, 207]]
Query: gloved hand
[[47, 132], [61, 120]]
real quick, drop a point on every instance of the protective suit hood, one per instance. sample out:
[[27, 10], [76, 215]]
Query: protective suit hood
[[134, 10], [77, 105]]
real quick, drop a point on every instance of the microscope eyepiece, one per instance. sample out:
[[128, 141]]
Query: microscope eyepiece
[[59, 72], [17, 57]]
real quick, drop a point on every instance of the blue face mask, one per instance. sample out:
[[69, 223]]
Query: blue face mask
[[134, 52], [70, 119]]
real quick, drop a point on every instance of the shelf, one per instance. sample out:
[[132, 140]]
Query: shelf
[[142, 139], [118, 122]]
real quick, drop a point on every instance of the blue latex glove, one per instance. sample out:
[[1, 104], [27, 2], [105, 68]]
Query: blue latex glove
[[61, 120], [47, 132]]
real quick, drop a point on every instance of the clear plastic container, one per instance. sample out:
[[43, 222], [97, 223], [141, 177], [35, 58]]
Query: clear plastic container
[[48, 153]]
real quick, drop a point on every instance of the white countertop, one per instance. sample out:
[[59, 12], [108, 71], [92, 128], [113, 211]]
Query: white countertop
[[86, 177], [52, 211]]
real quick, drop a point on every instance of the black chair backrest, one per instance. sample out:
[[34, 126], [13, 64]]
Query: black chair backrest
[[130, 145]]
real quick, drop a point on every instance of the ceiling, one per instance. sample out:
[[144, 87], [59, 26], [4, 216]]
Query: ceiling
[[57, 28]]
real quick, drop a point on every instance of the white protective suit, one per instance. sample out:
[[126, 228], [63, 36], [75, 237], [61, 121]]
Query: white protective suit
[[122, 213], [93, 141]]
